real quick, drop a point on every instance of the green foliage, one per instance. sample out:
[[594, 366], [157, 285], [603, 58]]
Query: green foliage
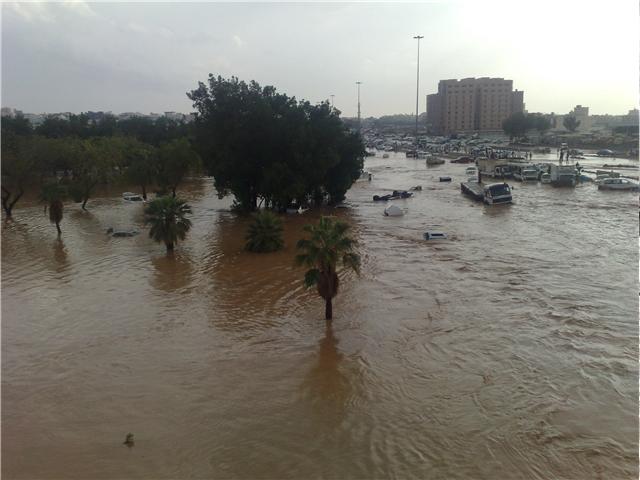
[[516, 125], [53, 190], [17, 125], [93, 153], [265, 233], [571, 123], [23, 161], [144, 129], [539, 122], [260, 144], [175, 160], [168, 219], [141, 164], [93, 162], [327, 248], [54, 127], [153, 132]]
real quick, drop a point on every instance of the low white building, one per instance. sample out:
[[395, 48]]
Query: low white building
[[174, 116]]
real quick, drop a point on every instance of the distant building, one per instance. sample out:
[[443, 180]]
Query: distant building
[[472, 105], [35, 118], [128, 115], [582, 115], [8, 112], [174, 116], [610, 122], [630, 119]]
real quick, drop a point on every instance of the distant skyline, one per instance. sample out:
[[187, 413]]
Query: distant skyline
[[144, 57]]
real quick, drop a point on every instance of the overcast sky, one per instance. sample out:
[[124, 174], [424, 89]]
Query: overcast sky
[[145, 56]]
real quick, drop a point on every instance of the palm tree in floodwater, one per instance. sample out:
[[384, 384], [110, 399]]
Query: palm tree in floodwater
[[167, 217], [327, 248], [265, 233]]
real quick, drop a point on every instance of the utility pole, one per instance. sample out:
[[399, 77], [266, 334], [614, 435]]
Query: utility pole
[[417, 37], [358, 83]]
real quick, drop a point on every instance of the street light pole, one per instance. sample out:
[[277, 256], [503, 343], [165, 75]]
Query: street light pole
[[417, 37], [358, 83]]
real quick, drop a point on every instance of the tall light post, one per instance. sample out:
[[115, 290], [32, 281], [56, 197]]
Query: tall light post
[[358, 84], [417, 37]]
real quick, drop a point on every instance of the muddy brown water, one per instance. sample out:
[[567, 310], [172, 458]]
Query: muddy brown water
[[507, 351]]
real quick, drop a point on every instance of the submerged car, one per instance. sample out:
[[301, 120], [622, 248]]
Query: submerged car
[[617, 184]]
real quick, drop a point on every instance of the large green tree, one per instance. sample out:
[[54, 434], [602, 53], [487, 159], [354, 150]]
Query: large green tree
[[16, 171], [539, 122], [17, 125], [93, 162], [516, 125], [327, 247], [266, 147], [141, 164], [153, 132], [571, 123], [26, 160], [175, 160]]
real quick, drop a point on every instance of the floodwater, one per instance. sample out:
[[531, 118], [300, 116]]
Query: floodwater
[[509, 350]]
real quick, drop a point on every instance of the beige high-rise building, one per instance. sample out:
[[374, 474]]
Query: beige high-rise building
[[472, 105]]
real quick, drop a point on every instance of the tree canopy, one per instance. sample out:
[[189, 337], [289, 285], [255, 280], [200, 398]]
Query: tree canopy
[[88, 154], [175, 160], [571, 123], [263, 145], [516, 125], [519, 123]]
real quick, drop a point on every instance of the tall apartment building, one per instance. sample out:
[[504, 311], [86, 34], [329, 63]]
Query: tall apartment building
[[472, 105]]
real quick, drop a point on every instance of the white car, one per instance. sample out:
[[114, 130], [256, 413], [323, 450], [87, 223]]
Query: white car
[[617, 184]]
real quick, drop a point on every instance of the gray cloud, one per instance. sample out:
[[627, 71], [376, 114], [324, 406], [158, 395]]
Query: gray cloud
[[144, 57]]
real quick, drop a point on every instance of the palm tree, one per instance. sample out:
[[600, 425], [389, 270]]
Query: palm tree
[[52, 195], [265, 233], [322, 253], [167, 216]]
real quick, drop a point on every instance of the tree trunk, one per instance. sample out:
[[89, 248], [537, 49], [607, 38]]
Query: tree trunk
[[169, 246], [6, 206], [328, 309], [84, 203], [15, 200], [173, 189], [58, 227], [144, 192]]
